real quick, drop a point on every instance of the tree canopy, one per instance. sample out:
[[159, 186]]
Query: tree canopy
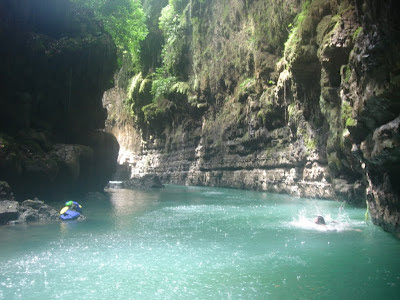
[[124, 20]]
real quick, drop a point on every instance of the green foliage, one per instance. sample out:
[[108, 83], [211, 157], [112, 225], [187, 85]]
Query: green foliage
[[144, 84], [167, 89], [309, 142], [138, 93], [162, 84], [132, 93], [294, 35], [271, 20], [134, 84], [124, 20], [180, 87], [157, 109], [357, 33], [302, 15], [173, 25], [262, 115], [325, 25], [246, 87], [346, 72], [247, 84], [346, 115], [294, 114], [165, 84]]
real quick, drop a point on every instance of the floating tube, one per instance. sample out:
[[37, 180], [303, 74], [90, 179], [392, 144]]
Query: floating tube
[[74, 205], [62, 211], [69, 215]]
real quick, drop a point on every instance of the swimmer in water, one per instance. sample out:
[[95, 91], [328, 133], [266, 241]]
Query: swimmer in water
[[320, 220]]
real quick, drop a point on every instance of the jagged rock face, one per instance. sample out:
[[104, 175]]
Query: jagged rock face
[[315, 117], [374, 91], [56, 62], [12, 212], [35, 210]]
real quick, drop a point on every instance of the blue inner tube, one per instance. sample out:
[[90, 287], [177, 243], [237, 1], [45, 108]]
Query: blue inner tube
[[70, 215]]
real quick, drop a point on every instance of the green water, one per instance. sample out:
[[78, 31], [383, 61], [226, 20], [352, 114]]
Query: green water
[[201, 243]]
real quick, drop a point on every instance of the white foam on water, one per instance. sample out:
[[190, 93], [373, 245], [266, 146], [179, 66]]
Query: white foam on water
[[306, 220]]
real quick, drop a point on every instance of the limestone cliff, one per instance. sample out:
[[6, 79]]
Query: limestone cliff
[[297, 97], [56, 61]]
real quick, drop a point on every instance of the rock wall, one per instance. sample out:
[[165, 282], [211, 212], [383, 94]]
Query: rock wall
[[297, 97], [373, 91], [56, 62]]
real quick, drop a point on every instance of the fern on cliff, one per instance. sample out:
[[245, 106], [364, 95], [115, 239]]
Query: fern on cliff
[[162, 84], [180, 87]]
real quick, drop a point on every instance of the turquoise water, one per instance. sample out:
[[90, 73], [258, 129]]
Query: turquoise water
[[201, 243]]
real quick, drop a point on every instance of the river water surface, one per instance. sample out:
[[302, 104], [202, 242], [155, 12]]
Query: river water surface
[[201, 243]]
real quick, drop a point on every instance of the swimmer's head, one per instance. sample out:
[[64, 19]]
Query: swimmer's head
[[320, 220]]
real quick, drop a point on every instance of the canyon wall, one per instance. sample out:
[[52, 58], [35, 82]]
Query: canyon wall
[[56, 62], [297, 97]]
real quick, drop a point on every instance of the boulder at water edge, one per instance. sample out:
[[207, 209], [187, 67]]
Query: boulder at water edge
[[8, 211]]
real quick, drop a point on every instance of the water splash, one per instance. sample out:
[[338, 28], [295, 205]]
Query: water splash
[[306, 220]]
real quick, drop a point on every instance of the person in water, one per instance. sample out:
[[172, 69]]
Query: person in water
[[320, 220], [74, 206]]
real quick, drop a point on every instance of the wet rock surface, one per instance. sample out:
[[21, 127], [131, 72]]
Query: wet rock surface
[[35, 210], [13, 212], [9, 210], [140, 182]]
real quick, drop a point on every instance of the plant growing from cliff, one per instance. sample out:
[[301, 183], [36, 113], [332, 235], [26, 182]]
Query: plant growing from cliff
[[138, 96], [309, 142], [161, 87], [357, 33], [162, 84], [346, 115], [262, 115], [157, 110], [247, 85], [270, 19], [124, 20], [345, 70], [132, 92], [167, 88], [180, 87], [294, 35], [173, 25]]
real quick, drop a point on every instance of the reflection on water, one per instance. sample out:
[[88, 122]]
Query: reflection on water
[[129, 202]]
